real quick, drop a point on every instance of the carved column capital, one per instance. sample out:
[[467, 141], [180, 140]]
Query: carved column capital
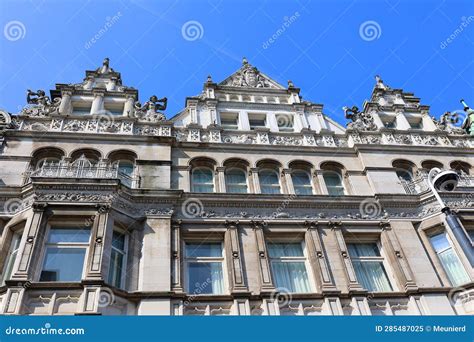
[[335, 224], [258, 224]]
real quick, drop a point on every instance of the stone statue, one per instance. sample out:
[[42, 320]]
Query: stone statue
[[447, 123], [360, 120], [379, 83], [468, 124], [41, 104], [105, 68], [149, 111]]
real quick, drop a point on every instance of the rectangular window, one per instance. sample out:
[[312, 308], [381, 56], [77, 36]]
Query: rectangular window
[[288, 265], [390, 124], [118, 257], [81, 108], [65, 252], [285, 122], [204, 263], [114, 109], [449, 259], [229, 121], [369, 268], [257, 121], [416, 124], [11, 257]]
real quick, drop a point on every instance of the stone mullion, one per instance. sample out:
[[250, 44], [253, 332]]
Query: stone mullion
[[220, 182], [263, 262], [234, 259], [397, 258], [176, 279], [318, 260], [346, 261], [287, 182], [29, 243], [253, 173]]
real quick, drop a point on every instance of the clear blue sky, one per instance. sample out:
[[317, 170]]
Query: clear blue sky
[[322, 50]]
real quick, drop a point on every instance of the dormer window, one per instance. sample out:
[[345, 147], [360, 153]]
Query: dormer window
[[81, 108], [230, 121], [416, 124], [257, 121]]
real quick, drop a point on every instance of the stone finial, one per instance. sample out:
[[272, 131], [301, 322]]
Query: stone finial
[[244, 61], [105, 68], [290, 84], [209, 79]]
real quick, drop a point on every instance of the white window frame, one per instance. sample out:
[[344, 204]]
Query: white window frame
[[227, 116], [246, 180], [382, 258], [213, 179], [125, 257], [65, 225], [188, 260], [304, 259], [257, 116]]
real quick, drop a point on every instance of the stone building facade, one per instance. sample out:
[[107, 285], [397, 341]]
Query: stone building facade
[[251, 201]]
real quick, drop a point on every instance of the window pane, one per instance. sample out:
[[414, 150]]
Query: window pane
[[125, 167], [269, 182], [453, 267], [236, 181], [202, 176], [194, 250], [63, 264], [301, 183], [277, 250], [372, 276], [363, 249], [405, 175], [11, 257], [118, 240], [205, 278], [69, 235], [203, 188], [116, 265], [291, 276], [440, 242], [332, 179]]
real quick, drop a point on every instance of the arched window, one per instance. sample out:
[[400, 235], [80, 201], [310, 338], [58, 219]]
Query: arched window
[[301, 182], [461, 167], [334, 183], [235, 181], [91, 155], [202, 179], [269, 181], [427, 165], [46, 155], [404, 169]]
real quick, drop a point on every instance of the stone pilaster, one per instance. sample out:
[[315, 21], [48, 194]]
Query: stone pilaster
[[234, 261], [65, 108], [220, 179], [263, 259], [98, 102], [176, 261]]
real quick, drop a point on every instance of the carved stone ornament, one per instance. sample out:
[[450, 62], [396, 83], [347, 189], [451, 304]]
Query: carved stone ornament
[[447, 123], [39, 104], [150, 110], [248, 76], [361, 121]]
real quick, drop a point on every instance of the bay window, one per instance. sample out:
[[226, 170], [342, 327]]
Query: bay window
[[369, 267], [288, 265], [449, 259], [11, 257], [118, 257], [204, 266], [65, 254]]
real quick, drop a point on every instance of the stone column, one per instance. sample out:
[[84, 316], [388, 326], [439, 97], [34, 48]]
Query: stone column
[[128, 109], [353, 284], [155, 263], [316, 183], [263, 258], [402, 122], [98, 102], [112, 84], [176, 278], [22, 269], [220, 179], [65, 107], [102, 231], [234, 262], [397, 258], [318, 259], [244, 121], [253, 174], [287, 182], [272, 122], [300, 118]]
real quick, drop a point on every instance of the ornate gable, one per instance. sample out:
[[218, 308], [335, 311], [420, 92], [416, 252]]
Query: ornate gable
[[249, 76]]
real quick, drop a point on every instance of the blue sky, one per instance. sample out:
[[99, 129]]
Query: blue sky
[[324, 48]]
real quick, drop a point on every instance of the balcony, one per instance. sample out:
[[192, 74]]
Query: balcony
[[82, 168]]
